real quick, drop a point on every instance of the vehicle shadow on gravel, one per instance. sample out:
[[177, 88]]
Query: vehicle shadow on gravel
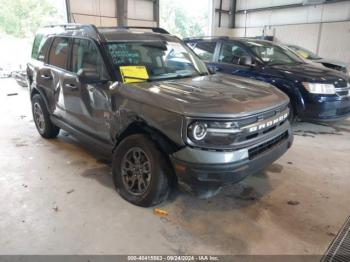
[[312, 129], [239, 195], [98, 164], [219, 221]]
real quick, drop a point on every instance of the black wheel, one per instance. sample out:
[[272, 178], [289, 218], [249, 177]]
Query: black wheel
[[141, 172], [42, 118]]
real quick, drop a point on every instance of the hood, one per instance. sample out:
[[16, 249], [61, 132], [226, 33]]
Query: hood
[[310, 72], [330, 61], [216, 95]]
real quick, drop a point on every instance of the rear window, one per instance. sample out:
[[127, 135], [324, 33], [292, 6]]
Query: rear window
[[40, 46]]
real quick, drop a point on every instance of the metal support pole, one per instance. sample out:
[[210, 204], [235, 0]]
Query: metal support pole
[[156, 12], [233, 13], [69, 19], [245, 24], [220, 10], [122, 12]]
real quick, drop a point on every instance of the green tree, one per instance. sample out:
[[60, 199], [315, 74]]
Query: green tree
[[22, 18], [174, 16]]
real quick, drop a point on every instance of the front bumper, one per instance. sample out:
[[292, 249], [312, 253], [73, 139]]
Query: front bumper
[[205, 172], [332, 108]]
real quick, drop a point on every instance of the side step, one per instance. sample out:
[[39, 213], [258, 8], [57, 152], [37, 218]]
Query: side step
[[339, 250]]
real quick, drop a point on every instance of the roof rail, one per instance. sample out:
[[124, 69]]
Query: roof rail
[[153, 29], [206, 37], [90, 29], [68, 25]]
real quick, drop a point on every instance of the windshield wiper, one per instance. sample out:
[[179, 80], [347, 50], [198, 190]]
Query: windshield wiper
[[277, 64]]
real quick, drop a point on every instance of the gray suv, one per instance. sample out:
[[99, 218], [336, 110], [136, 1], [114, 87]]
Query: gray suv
[[145, 98]]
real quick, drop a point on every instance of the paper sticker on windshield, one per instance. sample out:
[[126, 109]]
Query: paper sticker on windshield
[[303, 54], [269, 51], [133, 74]]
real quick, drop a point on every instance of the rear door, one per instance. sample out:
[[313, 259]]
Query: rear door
[[37, 68], [88, 106]]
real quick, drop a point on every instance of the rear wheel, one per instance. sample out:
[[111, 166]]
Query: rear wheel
[[140, 171], [42, 118]]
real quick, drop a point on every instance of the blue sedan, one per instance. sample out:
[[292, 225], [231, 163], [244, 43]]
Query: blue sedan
[[316, 92]]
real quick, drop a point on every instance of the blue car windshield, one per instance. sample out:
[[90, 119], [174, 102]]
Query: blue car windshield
[[161, 59], [304, 52], [272, 54]]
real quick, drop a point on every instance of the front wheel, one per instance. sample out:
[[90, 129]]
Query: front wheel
[[140, 171], [292, 117]]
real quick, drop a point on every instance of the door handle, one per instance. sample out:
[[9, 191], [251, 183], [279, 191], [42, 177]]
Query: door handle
[[45, 76], [71, 86], [90, 88], [214, 69]]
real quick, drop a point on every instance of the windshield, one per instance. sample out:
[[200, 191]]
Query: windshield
[[273, 54], [304, 53], [154, 60]]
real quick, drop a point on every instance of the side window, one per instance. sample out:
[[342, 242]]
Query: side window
[[40, 46], [233, 54], [59, 52], [86, 55], [36, 46], [205, 50]]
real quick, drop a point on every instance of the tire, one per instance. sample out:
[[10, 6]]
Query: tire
[[155, 179], [41, 118], [292, 117]]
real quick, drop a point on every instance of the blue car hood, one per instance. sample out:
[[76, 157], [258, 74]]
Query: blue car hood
[[308, 72]]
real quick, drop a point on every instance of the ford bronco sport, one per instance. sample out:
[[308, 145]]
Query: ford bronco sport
[[148, 100]]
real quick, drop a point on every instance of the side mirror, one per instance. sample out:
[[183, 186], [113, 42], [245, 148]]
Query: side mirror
[[212, 69], [88, 76], [245, 61]]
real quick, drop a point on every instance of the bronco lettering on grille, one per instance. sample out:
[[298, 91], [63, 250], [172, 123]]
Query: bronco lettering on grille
[[267, 123]]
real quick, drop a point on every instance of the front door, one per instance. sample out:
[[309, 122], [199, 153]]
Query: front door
[[51, 75], [89, 107], [233, 59]]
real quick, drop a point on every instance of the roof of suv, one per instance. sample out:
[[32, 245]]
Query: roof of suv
[[114, 34], [216, 38], [104, 34]]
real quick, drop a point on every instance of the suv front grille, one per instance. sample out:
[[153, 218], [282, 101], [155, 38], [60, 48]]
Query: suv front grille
[[256, 151], [265, 115], [240, 133]]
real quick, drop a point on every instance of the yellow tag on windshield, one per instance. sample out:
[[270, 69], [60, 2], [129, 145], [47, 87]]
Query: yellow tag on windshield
[[303, 54], [133, 74]]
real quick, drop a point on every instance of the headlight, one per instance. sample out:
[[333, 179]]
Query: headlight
[[212, 133], [198, 131], [318, 88]]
